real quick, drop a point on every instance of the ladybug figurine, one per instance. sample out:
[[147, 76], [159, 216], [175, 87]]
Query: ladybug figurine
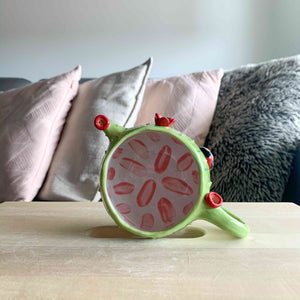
[[209, 157]]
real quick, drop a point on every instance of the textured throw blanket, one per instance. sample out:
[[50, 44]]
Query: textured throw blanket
[[255, 130]]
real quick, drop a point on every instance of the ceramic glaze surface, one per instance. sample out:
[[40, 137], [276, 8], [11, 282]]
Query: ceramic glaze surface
[[153, 181]]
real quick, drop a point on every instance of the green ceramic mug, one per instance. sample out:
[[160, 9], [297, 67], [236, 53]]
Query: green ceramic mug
[[155, 181]]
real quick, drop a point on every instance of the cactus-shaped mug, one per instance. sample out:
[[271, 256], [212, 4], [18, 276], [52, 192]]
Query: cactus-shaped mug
[[155, 181]]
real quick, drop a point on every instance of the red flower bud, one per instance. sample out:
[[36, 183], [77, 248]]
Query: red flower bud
[[163, 121]]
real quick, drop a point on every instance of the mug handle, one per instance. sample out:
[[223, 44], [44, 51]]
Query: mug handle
[[223, 218]]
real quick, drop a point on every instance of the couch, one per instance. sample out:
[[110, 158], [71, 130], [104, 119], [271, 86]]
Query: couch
[[243, 101]]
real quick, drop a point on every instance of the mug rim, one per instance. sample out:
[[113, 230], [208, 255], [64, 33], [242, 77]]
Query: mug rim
[[204, 180]]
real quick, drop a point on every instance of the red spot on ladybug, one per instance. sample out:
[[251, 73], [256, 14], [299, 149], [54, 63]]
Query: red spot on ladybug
[[163, 121]]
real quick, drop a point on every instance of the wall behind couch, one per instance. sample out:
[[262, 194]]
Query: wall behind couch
[[41, 38]]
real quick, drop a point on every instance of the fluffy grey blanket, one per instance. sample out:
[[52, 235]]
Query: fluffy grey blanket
[[255, 131]]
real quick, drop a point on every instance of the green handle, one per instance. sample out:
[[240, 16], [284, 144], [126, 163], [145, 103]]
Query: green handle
[[226, 220]]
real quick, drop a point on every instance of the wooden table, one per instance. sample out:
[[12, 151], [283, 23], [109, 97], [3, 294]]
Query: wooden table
[[74, 251]]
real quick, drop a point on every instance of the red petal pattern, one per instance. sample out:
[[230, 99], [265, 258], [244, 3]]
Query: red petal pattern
[[188, 208], [111, 173], [117, 153], [133, 166], [185, 161], [147, 222], [162, 160], [166, 210], [139, 148], [153, 136], [123, 188], [177, 185], [123, 208], [146, 193]]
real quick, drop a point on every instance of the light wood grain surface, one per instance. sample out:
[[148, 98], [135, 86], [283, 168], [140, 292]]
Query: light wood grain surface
[[74, 251]]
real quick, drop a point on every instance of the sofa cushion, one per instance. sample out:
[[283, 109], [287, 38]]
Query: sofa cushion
[[31, 120], [75, 170], [256, 130], [8, 83], [292, 189], [190, 99]]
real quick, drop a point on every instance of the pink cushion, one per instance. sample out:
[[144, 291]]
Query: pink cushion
[[32, 119], [74, 173], [190, 99]]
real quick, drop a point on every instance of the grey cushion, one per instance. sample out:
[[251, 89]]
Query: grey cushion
[[256, 130], [292, 190], [8, 83]]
